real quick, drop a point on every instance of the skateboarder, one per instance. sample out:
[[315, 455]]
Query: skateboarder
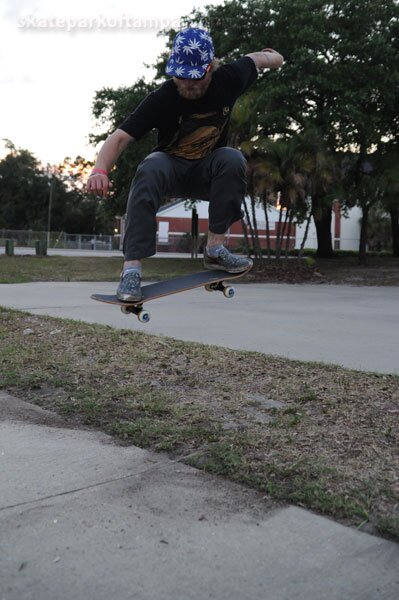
[[191, 111]]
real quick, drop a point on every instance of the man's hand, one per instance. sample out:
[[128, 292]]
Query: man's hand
[[267, 59], [98, 184]]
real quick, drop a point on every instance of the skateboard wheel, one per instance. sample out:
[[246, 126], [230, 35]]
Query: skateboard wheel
[[208, 287], [125, 310], [228, 291], [144, 316]]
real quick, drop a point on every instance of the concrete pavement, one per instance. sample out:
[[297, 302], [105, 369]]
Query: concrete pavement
[[357, 327], [82, 519]]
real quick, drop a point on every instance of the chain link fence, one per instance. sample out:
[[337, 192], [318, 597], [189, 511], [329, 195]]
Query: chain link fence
[[62, 240]]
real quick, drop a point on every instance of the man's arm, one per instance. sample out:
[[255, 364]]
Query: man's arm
[[267, 59], [98, 183]]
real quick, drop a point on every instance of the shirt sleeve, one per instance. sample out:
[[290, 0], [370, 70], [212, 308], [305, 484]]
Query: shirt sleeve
[[143, 118], [240, 74]]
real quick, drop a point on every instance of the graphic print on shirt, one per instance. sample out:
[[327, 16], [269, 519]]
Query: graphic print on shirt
[[198, 134]]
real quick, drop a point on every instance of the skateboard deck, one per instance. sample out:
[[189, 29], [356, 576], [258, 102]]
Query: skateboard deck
[[211, 280]]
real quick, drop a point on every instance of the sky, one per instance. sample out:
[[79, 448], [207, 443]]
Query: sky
[[55, 55]]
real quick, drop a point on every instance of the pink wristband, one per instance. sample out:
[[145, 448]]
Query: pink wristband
[[99, 171]]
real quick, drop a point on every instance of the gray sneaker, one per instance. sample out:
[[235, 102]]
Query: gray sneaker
[[129, 288], [226, 261]]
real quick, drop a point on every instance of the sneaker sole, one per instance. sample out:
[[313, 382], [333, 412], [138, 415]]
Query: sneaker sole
[[221, 268]]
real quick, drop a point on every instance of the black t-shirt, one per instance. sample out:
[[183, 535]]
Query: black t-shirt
[[192, 128]]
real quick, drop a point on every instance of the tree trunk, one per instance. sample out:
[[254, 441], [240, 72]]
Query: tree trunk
[[394, 214], [246, 239], [267, 228], [322, 216], [279, 234], [283, 233], [305, 235], [288, 239], [257, 248], [363, 235], [251, 229]]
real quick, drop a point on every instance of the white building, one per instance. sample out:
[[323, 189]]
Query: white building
[[174, 222]]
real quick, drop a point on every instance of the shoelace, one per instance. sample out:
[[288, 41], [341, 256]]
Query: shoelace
[[135, 275], [224, 253]]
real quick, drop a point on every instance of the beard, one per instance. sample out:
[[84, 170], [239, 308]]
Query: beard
[[192, 89]]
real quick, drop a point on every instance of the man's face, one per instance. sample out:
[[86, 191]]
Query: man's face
[[192, 89]]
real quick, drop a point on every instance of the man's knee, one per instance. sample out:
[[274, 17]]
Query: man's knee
[[154, 163], [231, 158]]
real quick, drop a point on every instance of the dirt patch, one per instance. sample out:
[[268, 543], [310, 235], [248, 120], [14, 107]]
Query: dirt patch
[[314, 435], [285, 271], [378, 271], [340, 270]]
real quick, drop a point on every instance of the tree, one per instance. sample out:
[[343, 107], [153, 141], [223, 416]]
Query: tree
[[278, 169], [372, 182], [363, 186], [390, 193], [24, 190], [379, 231], [294, 169], [83, 213], [322, 186], [25, 193], [340, 76]]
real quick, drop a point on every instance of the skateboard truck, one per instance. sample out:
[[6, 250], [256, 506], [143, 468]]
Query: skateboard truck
[[219, 286], [143, 315]]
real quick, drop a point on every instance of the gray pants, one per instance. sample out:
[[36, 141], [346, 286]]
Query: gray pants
[[219, 178]]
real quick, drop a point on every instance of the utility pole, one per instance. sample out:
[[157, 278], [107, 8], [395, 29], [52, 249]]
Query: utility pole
[[50, 204]]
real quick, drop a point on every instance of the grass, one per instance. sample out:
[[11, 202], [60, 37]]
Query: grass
[[342, 269], [25, 269], [314, 435]]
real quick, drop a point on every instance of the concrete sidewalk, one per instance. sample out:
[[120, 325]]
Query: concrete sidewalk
[[82, 518]]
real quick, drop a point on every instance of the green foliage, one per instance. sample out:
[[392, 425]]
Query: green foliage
[[379, 230], [340, 71], [25, 195], [24, 190], [371, 182]]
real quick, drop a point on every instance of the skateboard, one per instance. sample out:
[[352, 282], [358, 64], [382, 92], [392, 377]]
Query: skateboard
[[212, 281]]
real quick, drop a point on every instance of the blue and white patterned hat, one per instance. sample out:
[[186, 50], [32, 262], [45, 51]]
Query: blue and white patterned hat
[[192, 52]]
